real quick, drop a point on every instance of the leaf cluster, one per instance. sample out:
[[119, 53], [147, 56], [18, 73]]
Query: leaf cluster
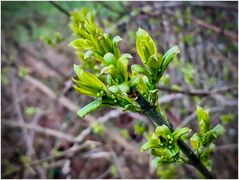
[[112, 84]]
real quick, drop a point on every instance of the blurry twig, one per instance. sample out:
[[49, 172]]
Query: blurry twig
[[46, 61], [60, 8], [112, 8], [40, 129], [119, 165], [226, 147], [223, 5], [200, 92], [204, 24], [67, 152], [70, 151], [29, 144], [216, 29]]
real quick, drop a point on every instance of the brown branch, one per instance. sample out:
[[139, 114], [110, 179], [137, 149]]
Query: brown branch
[[204, 24], [20, 118], [65, 153], [199, 92], [40, 129], [216, 29]]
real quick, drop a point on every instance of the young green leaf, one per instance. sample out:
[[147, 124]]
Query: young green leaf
[[213, 134], [85, 90], [135, 68], [196, 141], [109, 58], [167, 58], [88, 80], [145, 45], [122, 68], [203, 120], [82, 44], [152, 143], [180, 132], [93, 106], [116, 40], [154, 64]]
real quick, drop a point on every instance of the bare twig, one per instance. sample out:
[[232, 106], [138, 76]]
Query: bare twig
[[60, 8], [29, 144], [68, 152], [226, 147], [119, 165], [40, 129], [204, 24], [200, 92], [216, 29]]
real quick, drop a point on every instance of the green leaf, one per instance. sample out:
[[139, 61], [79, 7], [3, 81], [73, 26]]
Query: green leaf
[[162, 131], [93, 106], [213, 134], [122, 88], [180, 132], [167, 58], [82, 44], [196, 141], [116, 40], [145, 45], [218, 130], [139, 129], [109, 58], [154, 64], [203, 120], [88, 80], [98, 128], [152, 143], [226, 118], [22, 71], [139, 69], [142, 85], [85, 90], [122, 68]]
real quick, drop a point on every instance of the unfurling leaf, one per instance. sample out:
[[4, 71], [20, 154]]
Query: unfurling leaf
[[214, 133], [139, 69], [109, 58], [145, 45], [180, 132], [167, 58], [122, 68], [89, 108], [196, 141], [88, 80], [203, 120]]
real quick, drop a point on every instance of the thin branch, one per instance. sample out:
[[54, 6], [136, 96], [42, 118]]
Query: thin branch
[[226, 147], [39, 129], [29, 143], [216, 29], [60, 8], [65, 153], [200, 92], [111, 8]]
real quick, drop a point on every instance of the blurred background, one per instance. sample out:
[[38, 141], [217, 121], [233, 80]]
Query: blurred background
[[42, 136]]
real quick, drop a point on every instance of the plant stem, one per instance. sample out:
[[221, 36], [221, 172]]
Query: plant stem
[[157, 118]]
